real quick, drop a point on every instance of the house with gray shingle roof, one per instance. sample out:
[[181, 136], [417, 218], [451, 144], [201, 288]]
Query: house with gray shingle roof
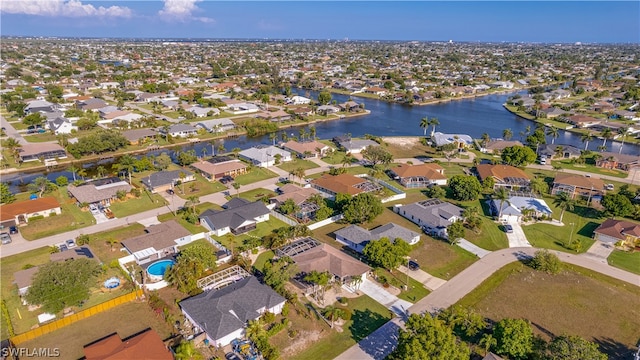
[[238, 217], [223, 314], [180, 130], [433, 215], [264, 156], [164, 180], [158, 241], [357, 238]]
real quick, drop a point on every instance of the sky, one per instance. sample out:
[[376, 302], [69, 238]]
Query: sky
[[483, 21]]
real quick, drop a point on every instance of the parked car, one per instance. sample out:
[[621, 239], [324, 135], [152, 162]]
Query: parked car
[[232, 356], [609, 187], [170, 191], [70, 243], [283, 180], [13, 230], [508, 228], [226, 179], [5, 238], [63, 247], [413, 265]]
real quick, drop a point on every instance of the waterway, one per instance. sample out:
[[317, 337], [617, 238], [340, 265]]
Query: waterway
[[473, 117]]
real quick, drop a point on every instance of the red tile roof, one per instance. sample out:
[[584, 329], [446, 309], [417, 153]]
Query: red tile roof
[[144, 346], [10, 211]]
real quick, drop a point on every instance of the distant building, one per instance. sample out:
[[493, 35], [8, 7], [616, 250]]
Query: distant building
[[577, 185], [265, 156], [344, 184], [19, 212], [357, 238], [165, 180]]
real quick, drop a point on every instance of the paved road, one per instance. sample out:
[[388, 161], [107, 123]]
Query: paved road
[[462, 284], [632, 178], [11, 131]]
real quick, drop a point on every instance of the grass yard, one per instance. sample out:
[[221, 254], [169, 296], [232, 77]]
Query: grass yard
[[254, 175], [410, 151], [549, 236], [255, 194], [566, 164], [576, 301], [336, 158], [262, 259], [232, 242], [193, 228], [317, 341], [199, 188], [99, 242], [298, 163], [146, 201], [489, 236], [126, 320], [625, 260], [72, 218], [441, 259]]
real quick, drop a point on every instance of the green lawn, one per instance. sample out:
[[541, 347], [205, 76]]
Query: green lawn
[[200, 187], [193, 228], [489, 236], [262, 259], [625, 260], [99, 242], [566, 164], [255, 194], [72, 217], [232, 242], [254, 175], [336, 158], [584, 221], [298, 163], [145, 202], [367, 316]]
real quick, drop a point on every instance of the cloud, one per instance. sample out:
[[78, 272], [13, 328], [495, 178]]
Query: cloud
[[69, 8], [182, 10]]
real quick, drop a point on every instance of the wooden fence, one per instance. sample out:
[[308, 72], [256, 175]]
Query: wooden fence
[[60, 323]]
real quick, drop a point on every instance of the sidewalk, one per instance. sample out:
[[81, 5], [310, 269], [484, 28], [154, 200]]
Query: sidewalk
[[473, 248]]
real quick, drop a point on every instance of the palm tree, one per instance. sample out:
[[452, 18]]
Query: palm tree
[[182, 176], [585, 138], [564, 202], [553, 132], [507, 134], [503, 196], [273, 137], [333, 313], [347, 160], [488, 341], [255, 330], [485, 139], [622, 131], [236, 151], [606, 134], [433, 122], [192, 201], [101, 171], [187, 351], [14, 147], [73, 169], [126, 163], [82, 172], [424, 123], [237, 187], [302, 133]]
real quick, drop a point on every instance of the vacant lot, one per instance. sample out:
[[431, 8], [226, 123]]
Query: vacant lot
[[126, 320], [576, 301]]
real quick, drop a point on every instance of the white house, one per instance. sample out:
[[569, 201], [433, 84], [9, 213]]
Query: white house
[[61, 126], [180, 130], [265, 156], [298, 100]]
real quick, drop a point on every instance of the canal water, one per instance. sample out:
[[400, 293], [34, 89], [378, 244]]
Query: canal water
[[473, 117]]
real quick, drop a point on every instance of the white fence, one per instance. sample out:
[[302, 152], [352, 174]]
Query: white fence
[[399, 194], [283, 218], [325, 222]]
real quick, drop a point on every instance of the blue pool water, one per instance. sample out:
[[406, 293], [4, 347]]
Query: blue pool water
[[158, 268]]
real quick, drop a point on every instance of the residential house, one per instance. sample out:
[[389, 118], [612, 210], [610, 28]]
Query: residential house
[[311, 255], [137, 136], [223, 314], [559, 151], [146, 345], [577, 185], [23, 280], [297, 100], [265, 156], [101, 191], [274, 116], [180, 130], [357, 238], [356, 146], [61, 125], [583, 121], [327, 110], [220, 166], [350, 106], [201, 112], [216, 125], [517, 207], [553, 112], [19, 212], [36, 106], [612, 231], [611, 160], [433, 215], [344, 184], [504, 176], [300, 197], [462, 141], [45, 151], [376, 90], [419, 176], [496, 146], [164, 180], [238, 217], [306, 149], [158, 241], [242, 108], [91, 104]]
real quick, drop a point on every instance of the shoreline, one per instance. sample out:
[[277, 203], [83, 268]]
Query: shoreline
[[61, 164]]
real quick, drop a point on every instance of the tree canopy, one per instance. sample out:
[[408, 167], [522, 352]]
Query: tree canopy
[[617, 205], [278, 272], [465, 188], [518, 155], [543, 260], [98, 143], [6, 196], [60, 284], [426, 337], [514, 338], [362, 208], [566, 347], [386, 254], [377, 155], [455, 231]]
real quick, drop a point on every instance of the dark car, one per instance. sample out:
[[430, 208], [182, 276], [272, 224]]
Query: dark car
[[226, 179], [232, 356], [413, 265], [13, 230], [508, 228], [170, 191]]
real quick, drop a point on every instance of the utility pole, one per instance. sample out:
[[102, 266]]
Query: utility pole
[[571, 234]]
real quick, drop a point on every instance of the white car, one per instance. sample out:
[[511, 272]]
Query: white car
[[70, 243]]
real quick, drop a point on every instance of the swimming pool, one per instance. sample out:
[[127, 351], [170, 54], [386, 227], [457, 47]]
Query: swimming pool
[[157, 269], [111, 283]]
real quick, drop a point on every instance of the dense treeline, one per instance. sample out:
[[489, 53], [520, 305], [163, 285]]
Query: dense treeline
[[98, 143]]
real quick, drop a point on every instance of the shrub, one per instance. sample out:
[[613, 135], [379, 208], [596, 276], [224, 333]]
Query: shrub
[[114, 264], [543, 260], [268, 317], [285, 309], [293, 333], [343, 300], [37, 217]]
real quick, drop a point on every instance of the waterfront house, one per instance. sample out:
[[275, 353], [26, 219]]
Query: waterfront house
[[559, 151], [306, 149], [496, 146], [220, 166], [504, 176], [158, 241], [462, 141], [332, 185], [419, 176], [143, 345], [433, 215], [45, 151], [327, 110], [238, 217], [300, 197], [583, 121], [137, 136], [19, 212], [180, 130], [577, 185], [265, 156], [101, 191], [297, 100], [357, 238], [164, 180], [216, 125], [355, 146], [613, 231]]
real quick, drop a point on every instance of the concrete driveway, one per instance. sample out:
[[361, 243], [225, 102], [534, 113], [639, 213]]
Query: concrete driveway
[[377, 345], [517, 238], [429, 281], [473, 248], [600, 251], [379, 294]]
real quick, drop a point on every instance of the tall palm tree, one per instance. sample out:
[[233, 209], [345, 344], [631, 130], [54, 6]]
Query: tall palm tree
[[507, 134], [192, 201], [424, 124], [273, 137], [73, 169], [333, 313], [312, 132], [126, 163], [82, 172], [101, 171], [237, 187], [563, 201], [554, 133], [14, 147], [622, 131], [485, 139], [606, 134], [585, 138], [347, 160], [502, 195], [433, 122]]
